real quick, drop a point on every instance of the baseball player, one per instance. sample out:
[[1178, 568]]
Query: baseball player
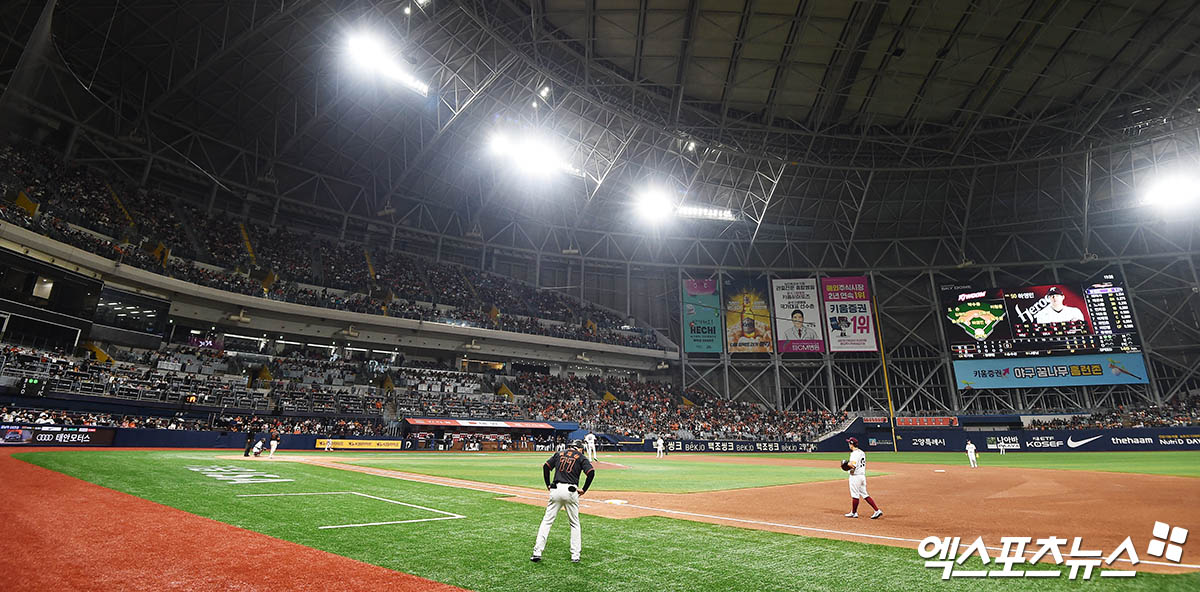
[[258, 446], [329, 443], [660, 447], [274, 444], [564, 494], [589, 442], [858, 480], [971, 454]]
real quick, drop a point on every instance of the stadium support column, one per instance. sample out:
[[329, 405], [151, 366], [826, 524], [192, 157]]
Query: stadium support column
[[629, 295], [1147, 350], [683, 360], [72, 141], [947, 362]]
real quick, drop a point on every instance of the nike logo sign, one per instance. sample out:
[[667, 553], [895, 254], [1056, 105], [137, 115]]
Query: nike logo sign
[[1071, 443]]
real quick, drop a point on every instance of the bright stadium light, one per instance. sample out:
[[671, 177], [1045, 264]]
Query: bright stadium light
[[706, 213], [530, 154], [1174, 191], [371, 55], [654, 205]]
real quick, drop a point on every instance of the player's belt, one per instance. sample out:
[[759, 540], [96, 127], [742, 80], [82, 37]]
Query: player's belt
[[570, 488]]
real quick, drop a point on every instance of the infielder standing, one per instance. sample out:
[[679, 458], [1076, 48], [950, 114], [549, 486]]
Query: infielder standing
[[659, 447], [564, 494], [589, 442], [858, 480], [971, 454]]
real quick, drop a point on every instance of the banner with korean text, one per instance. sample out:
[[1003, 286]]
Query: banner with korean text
[[848, 316], [701, 317], [798, 325]]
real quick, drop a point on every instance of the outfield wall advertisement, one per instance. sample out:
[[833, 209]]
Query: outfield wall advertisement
[[848, 315], [747, 315], [1083, 440], [730, 446], [1052, 371], [701, 317], [798, 326]]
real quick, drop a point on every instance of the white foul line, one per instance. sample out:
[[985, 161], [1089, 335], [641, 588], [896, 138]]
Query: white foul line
[[523, 493], [445, 515]]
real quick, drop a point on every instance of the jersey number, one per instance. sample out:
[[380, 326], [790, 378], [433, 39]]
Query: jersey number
[[566, 463]]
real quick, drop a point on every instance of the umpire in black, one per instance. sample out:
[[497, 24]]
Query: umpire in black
[[564, 494]]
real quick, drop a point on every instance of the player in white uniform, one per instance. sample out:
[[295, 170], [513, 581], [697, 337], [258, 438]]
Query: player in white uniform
[[971, 454], [659, 447], [589, 443], [258, 447], [1057, 312], [858, 480]]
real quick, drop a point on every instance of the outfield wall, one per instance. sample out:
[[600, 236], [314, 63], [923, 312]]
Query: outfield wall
[[1082, 440]]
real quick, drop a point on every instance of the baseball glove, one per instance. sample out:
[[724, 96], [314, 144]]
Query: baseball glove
[[845, 465]]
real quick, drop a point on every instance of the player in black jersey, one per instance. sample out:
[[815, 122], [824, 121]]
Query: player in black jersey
[[564, 494]]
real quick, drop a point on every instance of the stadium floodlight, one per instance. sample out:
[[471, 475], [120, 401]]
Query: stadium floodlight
[[545, 92], [531, 154], [706, 213], [371, 55], [654, 205], [1174, 191]]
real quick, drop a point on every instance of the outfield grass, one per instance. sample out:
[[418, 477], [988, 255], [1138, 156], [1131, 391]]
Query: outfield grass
[[1181, 463], [488, 550], [672, 475]]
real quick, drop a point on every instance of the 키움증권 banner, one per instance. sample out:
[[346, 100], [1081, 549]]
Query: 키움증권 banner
[[797, 316], [701, 317], [848, 314]]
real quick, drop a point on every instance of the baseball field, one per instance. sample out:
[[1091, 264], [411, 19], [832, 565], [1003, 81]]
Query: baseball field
[[203, 519]]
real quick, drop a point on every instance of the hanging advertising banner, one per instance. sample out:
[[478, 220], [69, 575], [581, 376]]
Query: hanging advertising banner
[[747, 315], [797, 316], [1051, 371], [701, 317], [848, 314]]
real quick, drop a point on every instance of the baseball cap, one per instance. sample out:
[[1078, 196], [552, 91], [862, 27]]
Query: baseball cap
[[852, 440], [1054, 290]]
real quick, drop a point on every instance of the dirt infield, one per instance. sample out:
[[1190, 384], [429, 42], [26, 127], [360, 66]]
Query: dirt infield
[[918, 500], [64, 533]]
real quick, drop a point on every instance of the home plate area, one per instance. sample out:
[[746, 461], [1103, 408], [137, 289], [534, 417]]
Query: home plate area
[[344, 509]]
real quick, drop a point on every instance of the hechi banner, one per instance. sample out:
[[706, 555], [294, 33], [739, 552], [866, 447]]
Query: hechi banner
[[797, 316], [848, 314], [701, 317]]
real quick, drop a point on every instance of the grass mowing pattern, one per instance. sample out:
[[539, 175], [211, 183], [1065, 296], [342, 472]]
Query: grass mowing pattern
[[644, 473], [1181, 463], [489, 549]]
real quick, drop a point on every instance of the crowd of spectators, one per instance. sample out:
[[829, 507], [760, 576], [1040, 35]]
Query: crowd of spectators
[[642, 409], [1185, 411], [77, 206]]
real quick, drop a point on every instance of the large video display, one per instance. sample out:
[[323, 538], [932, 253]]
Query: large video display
[[1045, 320]]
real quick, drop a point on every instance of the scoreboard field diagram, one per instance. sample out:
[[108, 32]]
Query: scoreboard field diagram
[[1046, 320]]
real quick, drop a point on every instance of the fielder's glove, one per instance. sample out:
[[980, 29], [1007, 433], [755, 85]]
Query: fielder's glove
[[845, 465]]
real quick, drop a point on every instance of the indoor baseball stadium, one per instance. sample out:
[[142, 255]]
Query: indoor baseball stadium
[[600, 295]]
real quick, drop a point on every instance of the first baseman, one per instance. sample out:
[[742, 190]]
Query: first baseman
[[971, 454], [564, 494], [858, 480], [660, 447]]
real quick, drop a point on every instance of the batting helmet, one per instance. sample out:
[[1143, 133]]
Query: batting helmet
[[576, 443]]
